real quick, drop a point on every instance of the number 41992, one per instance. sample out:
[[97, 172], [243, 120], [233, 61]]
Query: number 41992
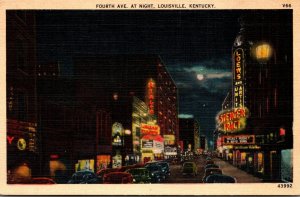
[[285, 185]]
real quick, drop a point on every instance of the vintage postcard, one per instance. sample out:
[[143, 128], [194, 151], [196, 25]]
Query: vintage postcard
[[149, 98]]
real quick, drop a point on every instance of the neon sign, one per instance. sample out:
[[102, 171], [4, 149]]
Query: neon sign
[[150, 129], [238, 72], [232, 120], [151, 96], [239, 139]]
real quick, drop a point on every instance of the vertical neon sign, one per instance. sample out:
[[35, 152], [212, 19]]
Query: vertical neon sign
[[238, 78], [151, 96]]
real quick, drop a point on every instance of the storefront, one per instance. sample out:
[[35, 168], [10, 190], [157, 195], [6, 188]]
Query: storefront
[[152, 148], [103, 162], [22, 158]]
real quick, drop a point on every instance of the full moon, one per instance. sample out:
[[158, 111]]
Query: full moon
[[200, 77]]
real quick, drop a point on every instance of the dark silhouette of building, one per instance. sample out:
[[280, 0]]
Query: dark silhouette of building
[[22, 148], [263, 83], [187, 131], [203, 144]]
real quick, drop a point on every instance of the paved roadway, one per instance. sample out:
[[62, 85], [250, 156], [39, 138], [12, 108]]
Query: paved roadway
[[241, 176], [177, 177]]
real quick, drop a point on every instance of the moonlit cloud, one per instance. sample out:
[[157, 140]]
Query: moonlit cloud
[[186, 116], [219, 75]]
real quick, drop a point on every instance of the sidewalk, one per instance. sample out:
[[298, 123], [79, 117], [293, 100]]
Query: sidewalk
[[240, 175]]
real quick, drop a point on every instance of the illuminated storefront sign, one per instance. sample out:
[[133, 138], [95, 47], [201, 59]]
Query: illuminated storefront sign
[[147, 143], [21, 144], [87, 164], [117, 134], [169, 139], [232, 120], [238, 72], [246, 147], [10, 139], [22, 130], [169, 150], [239, 139], [150, 129], [151, 96]]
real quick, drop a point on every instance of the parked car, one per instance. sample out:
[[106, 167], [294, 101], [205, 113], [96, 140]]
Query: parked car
[[140, 175], [189, 168], [117, 178], [102, 172], [156, 173], [84, 177], [210, 171], [211, 166], [220, 178]]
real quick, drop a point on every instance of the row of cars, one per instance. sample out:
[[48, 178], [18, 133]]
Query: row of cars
[[213, 174], [151, 172]]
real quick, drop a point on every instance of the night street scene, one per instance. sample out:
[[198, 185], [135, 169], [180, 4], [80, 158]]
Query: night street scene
[[149, 96]]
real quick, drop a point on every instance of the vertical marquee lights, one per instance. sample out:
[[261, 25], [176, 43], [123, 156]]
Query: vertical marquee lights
[[238, 78], [151, 96]]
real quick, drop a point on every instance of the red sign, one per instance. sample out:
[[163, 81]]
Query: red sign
[[282, 132], [151, 97], [150, 129], [10, 139], [232, 120]]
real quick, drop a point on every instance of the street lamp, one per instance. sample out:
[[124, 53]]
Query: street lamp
[[262, 52]]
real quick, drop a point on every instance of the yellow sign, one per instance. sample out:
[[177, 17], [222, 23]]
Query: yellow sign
[[21, 144]]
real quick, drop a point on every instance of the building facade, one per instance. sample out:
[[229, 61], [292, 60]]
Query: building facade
[[188, 128], [257, 129], [22, 132], [123, 77]]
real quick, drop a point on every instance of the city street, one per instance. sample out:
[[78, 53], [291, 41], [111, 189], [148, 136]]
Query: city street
[[227, 169]]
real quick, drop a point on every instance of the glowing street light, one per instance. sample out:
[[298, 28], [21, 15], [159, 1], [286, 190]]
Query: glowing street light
[[263, 52]]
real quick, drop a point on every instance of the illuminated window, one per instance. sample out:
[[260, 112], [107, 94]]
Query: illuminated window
[[260, 163]]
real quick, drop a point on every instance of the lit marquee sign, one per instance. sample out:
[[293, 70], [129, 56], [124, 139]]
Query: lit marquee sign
[[238, 139], [238, 78], [149, 129], [233, 120], [151, 96]]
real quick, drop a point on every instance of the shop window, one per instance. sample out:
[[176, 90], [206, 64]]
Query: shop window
[[243, 158], [260, 163]]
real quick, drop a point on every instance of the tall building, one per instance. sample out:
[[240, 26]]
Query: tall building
[[196, 136], [203, 143], [110, 82], [22, 132], [257, 130], [188, 129]]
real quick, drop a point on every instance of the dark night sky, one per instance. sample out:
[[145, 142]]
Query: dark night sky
[[189, 43]]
